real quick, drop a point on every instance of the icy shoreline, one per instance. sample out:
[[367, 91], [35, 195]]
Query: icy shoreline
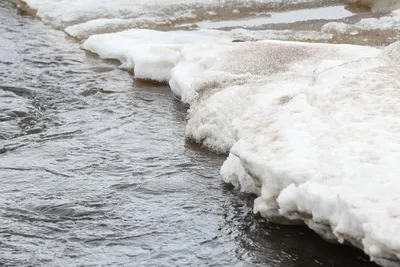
[[289, 120], [298, 123], [312, 129]]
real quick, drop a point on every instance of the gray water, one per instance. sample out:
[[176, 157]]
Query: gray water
[[95, 171]]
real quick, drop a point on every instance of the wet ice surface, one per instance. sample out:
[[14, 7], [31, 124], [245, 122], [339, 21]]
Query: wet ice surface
[[94, 170]]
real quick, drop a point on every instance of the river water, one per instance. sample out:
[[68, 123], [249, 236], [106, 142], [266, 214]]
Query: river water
[[95, 171]]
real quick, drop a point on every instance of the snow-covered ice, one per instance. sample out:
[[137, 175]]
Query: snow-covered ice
[[321, 141], [313, 129], [152, 54]]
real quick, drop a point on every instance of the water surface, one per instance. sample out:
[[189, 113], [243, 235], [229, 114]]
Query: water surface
[[95, 171]]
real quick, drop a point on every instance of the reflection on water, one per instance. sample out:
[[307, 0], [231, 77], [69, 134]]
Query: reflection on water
[[95, 171]]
